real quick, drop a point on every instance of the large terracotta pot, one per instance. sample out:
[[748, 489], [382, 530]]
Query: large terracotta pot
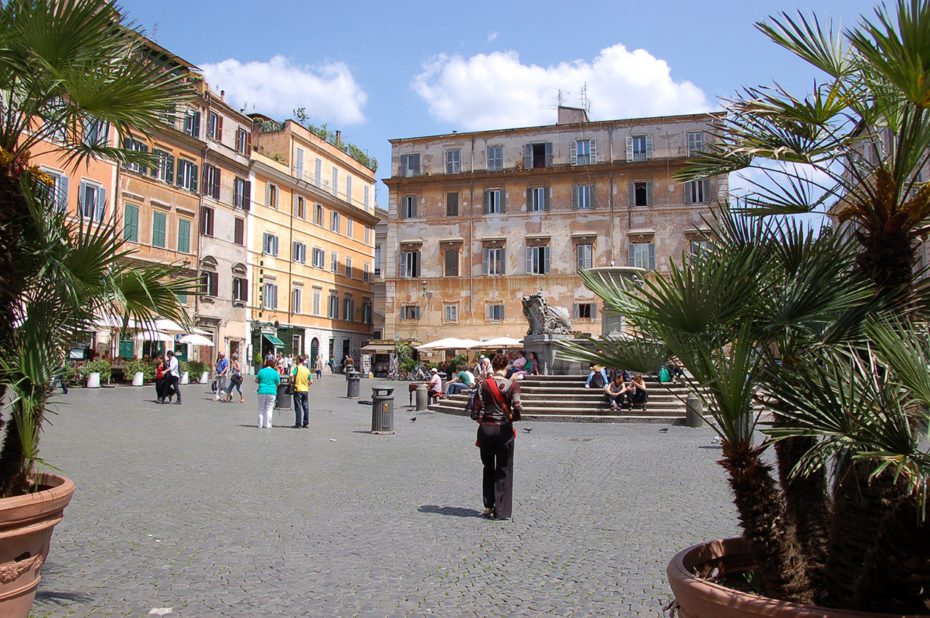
[[696, 597], [26, 524]]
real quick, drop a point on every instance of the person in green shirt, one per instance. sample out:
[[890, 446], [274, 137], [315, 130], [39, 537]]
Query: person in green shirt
[[300, 374], [268, 380]]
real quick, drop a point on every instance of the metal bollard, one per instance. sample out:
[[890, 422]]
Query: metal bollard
[[353, 384], [694, 412], [382, 410], [422, 397]]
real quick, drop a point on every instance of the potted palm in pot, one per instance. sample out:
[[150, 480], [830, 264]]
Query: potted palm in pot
[[63, 66], [811, 343]]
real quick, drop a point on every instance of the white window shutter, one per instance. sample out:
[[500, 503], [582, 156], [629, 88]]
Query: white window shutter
[[687, 186], [527, 157], [631, 255], [503, 204], [546, 255], [632, 192], [503, 254], [575, 196], [268, 194], [649, 193], [652, 256], [573, 153], [593, 198], [548, 149], [706, 192], [62, 197], [575, 311], [529, 199], [593, 151], [101, 204], [629, 149], [649, 153], [484, 261], [529, 260], [547, 193], [487, 201]]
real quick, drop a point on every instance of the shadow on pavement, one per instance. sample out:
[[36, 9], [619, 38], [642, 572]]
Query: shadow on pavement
[[62, 598], [455, 511]]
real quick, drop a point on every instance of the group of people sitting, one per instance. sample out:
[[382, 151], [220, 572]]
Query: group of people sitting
[[622, 389], [461, 377]]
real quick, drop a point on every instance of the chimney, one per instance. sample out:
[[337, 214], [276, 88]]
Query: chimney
[[571, 115], [222, 95], [338, 137]]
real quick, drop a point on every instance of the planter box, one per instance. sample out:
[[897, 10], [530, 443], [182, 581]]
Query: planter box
[[204, 377], [93, 380], [185, 378], [138, 378], [696, 597]]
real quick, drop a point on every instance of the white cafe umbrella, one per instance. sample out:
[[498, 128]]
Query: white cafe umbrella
[[449, 343], [167, 325], [154, 336], [500, 342], [196, 340]]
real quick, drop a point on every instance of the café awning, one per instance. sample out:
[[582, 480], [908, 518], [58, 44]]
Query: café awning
[[378, 348], [274, 340]]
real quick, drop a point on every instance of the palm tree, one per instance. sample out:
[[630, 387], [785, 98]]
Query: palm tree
[[67, 68]]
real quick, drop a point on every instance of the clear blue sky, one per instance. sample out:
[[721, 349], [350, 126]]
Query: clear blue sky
[[378, 70]]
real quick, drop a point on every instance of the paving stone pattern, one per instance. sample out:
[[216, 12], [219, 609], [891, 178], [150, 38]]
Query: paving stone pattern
[[195, 509]]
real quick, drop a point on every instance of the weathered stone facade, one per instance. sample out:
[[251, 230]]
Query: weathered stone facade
[[478, 220]]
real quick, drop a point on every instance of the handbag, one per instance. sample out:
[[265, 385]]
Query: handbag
[[236, 379]]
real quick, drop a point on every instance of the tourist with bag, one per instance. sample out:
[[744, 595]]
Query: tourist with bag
[[235, 379], [268, 380], [300, 385], [496, 407]]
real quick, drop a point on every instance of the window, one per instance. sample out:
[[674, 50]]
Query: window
[[243, 141], [92, 201], [206, 221], [366, 272], [695, 142], [333, 306], [495, 313], [452, 262], [269, 244], [453, 161], [334, 222], [184, 235], [639, 148], [537, 260], [583, 311], [367, 235], [699, 247], [300, 207], [537, 155], [410, 312], [240, 289], [493, 201], [299, 163], [583, 257], [348, 270], [192, 122], [318, 214], [317, 171], [377, 260], [452, 204], [296, 294], [583, 196], [642, 255], [131, 223], [583, 152], [299, 252], [243, 190], [495, 158], [366, 311], [316, 301], [211, 181], [641, 193], [348, 309], [537, 198], [271, 194], [367, 196], [134, 146], [450, 313], [348, 188], [164, 169], [209, 283], [409, 264], [349, 225], [697, 191], [336, 181], [187, 174], [55, 130], [409, 165], [95, 133], [492, 261], [270, 296], [239, 231], [319, 258], [333, 261], [215, 126], [408, 206], [58, 191]]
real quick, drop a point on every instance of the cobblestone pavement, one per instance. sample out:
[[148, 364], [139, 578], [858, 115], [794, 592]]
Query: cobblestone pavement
[[193, 508]]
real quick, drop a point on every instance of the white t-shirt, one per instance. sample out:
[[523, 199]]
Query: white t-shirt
[[173, 367]]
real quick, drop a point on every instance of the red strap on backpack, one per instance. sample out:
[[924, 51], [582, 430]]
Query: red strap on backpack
[[499, 397]]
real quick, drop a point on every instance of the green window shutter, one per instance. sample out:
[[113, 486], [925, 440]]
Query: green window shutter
[[131, 223], [184, 236], [169, 169], [159, 221], [487, 201], [193, 186]]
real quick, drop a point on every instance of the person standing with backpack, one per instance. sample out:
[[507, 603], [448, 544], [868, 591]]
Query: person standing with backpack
[[496, 407], [300, 375]]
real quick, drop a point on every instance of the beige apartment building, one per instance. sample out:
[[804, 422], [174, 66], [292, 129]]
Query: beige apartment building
[[311, 246], [478, 220]]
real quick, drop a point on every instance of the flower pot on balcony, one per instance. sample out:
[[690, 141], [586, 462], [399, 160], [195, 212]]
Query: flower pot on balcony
[[26, 524], [698, 597]]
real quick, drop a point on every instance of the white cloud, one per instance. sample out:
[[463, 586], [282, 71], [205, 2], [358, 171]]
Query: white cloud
[[492, 36], [490, 91], [327, 91]]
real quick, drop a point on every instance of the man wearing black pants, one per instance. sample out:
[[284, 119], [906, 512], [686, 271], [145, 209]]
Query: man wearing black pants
[[174, 378]]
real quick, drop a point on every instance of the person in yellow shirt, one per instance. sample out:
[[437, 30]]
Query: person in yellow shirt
[[300, 375]]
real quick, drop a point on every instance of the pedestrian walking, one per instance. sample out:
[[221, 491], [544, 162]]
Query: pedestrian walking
[[174, 378], [268, 379], [161, 379], [222, 373], [318, 366], [300, 376], [496, 408], [235, 379]]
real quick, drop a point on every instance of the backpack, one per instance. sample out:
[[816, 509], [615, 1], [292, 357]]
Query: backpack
[[664, 376]]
